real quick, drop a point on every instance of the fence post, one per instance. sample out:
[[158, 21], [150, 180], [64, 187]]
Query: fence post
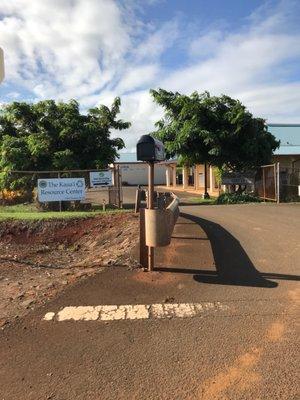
[[137, 205], [264, 183], [278, 183], [120, 189]]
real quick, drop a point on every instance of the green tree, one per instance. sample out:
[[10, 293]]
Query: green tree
[[213, 130], [55, 136]]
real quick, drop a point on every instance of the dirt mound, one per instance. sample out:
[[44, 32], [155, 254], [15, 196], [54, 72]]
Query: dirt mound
[[66, 231], [39, 258]]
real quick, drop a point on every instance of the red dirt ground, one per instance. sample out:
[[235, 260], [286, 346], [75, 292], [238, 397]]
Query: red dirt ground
[[38, 259]]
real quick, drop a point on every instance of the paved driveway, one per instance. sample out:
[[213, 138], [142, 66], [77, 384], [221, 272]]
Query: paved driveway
[[239, 263]]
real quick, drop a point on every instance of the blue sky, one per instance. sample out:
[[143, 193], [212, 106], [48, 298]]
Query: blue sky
[[94, 50]]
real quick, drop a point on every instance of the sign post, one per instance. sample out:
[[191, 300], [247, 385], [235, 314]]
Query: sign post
[[60, 204], [149, 150], [150, 207]]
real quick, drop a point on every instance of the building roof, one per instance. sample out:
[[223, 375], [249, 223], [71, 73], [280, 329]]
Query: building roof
[[289, 136], [127, 158]]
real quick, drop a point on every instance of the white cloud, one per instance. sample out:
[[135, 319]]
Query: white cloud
[[61, 47], [138, 108], [240, 61], [13, 95], [158, 41], [276, 103], [94, 50], [252, 65], [206, 45], [136, 77]]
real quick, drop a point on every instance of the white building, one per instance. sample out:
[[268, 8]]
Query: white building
[[136, 172]]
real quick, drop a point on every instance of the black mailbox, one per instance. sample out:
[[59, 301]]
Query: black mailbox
[[150, 149]]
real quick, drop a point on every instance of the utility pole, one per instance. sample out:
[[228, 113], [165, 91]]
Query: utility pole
[[149, 150]]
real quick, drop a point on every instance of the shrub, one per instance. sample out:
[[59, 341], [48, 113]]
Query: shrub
[[236, 198], [11, 197]]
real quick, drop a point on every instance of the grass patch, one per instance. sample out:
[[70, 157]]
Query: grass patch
[[29, 212], [237, 198], [200, 200], [224, 198]]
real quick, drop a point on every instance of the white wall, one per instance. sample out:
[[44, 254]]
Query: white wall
[[137, 173]]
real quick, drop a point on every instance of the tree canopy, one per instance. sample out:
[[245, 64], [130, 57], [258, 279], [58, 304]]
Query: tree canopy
[[56, 136], [216, 130]]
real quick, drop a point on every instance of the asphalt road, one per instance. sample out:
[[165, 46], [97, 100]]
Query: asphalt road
[[244, 257]]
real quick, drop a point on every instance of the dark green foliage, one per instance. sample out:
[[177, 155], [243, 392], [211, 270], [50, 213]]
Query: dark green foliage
[[236, 198], [55, 136], [215, 130]]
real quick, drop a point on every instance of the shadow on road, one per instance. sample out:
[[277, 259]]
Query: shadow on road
[[233, 266]]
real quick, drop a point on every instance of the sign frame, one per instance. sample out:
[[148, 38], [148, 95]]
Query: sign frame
[[102, 178], [238, 178], [60, 189]]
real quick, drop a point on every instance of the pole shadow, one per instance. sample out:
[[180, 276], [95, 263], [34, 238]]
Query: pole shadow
[[233, 266]]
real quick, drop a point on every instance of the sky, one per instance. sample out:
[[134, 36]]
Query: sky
[[95, 50]]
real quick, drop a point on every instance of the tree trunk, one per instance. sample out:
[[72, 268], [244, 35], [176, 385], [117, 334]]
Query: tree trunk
[[206, 195], [241, 189]]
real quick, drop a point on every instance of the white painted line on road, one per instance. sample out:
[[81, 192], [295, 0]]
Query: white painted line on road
[[49, 316], [132, 312]]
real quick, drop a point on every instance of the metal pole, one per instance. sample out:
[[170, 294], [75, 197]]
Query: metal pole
[[150, 207]]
